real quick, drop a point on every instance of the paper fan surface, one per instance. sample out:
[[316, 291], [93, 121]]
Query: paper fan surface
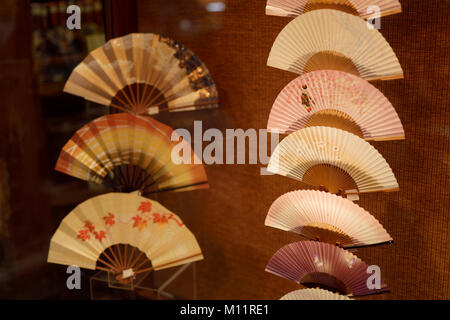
[[333, 40], [318, 264], [335, 99], [333, 160], [98, 225], [313, 294], [326, 217], [363, 8], [144, 73], [132, 153]]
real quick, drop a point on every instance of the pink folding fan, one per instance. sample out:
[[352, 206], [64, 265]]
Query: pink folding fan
[[317, 264], [335, 99], [323, 216]]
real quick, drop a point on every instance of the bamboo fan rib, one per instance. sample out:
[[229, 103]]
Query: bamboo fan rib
[[333, 40], [97, 226], [334, 160], [326, 217], [335, 99], [323, 265], [313, 294], [363, 8], [132, 153], [144, 74]]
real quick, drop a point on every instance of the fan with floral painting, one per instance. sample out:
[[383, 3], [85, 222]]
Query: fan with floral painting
[[123, 234], [335, 99]]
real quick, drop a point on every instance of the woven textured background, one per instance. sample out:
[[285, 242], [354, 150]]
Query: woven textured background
[[229, 218]]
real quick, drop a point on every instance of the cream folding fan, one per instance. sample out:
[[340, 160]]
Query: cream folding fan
[[323, 216], [144, 73], [334, 40], [333, 160], [335, 99], [313, 294], [363, 8], [317, 264], [124, 234], [132, 153]]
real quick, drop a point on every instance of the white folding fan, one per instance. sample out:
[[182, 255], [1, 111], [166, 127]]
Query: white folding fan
[[323, 216], [123, 234], [335, 99], [144, 73], [333, 40], [333, 160], [313, 294], [364, 8]]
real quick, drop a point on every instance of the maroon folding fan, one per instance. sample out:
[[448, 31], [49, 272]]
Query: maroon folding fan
[[317, 264]]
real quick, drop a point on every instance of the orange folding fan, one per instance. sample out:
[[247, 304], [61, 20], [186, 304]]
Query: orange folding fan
[[333, 40], [323, 216], [123, 234], [317, 264], [335, 99], [132, 153], [363, 8], [333, 160], [144, 74]]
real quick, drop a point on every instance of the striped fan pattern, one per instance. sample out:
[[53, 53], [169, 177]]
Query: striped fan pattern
[[144, 74], [131, 153]]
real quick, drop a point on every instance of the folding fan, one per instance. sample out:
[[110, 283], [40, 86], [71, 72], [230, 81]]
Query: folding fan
[[318, 264], [131, 153], [335, 99], [334, 40], [90, 235], [144, 73], [333, 160], [313, 294], [323, 216], [292, 8]]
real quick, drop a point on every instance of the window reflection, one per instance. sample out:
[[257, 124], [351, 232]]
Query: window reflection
[[57, 50]]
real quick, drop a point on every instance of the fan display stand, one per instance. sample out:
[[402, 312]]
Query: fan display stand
[[139, 282]]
